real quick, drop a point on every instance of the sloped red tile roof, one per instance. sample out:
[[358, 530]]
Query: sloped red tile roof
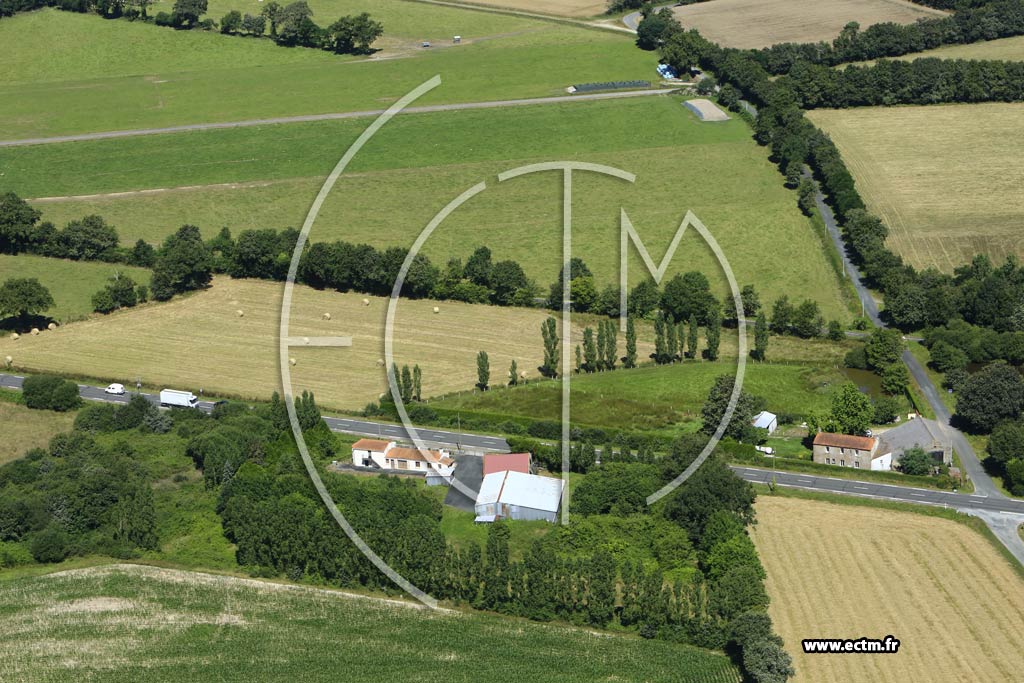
[[861, 443], [506, 462]]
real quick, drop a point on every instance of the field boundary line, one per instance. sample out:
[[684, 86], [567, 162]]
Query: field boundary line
[[307, 118], [175, 574]]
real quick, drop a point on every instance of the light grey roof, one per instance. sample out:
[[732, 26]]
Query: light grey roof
[[764, 419], [920, 432], [524, 490]]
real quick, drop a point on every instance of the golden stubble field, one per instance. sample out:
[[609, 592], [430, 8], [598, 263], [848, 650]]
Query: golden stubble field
[[200, 342], [22, 429], [840, 571], [759, 23], [948, 180]]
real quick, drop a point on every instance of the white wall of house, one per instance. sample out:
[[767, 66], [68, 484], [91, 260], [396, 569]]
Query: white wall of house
[[882, 463]]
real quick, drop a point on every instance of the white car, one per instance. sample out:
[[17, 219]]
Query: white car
[[114, 389]]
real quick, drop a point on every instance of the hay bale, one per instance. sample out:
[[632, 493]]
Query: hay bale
[[51, 326], [8, 360], [291, 361], [366, 302], [436, 309], [35, 331], [380, 362], [240, 313], [305, 340], [15, 336], [326, 316], [522, 375]]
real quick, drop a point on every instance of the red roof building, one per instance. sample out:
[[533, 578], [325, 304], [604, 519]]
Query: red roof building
[[508, 462]]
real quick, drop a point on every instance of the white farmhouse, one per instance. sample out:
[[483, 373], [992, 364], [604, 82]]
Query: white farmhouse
[[516, 495], [386, 455]]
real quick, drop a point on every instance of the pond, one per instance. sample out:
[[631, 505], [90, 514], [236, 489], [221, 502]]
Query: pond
[[867, 381]]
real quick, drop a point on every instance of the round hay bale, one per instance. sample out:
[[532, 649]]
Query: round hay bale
[[380, 362], [305, 340], [8, 360], [366, 302], [240, 313], [35, 331], [291, 361], [326, 316], [15, 336], [51, 326], [436, 309], [522, 374]]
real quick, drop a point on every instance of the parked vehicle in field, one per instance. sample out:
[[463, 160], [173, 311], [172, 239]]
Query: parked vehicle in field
[[172, 398], [116, 389]]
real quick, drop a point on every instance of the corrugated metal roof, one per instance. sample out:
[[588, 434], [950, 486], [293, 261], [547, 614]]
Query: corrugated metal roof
[[524, 490]]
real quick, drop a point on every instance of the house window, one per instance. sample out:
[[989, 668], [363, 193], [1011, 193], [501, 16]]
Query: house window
[[842, 463], [856, 463]]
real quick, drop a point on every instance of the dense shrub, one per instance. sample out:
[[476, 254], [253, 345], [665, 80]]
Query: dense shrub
[[49, 392]]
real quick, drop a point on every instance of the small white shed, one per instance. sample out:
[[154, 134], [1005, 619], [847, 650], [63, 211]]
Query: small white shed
[[766, 420]]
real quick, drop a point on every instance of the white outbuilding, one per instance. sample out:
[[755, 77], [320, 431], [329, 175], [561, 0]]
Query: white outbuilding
[[515, 495], [766, 420]]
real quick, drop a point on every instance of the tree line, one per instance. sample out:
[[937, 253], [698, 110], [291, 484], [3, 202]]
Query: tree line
[[980, 293], [291, 25], [973, 21]]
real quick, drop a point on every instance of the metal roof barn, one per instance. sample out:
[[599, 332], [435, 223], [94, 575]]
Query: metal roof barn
[[515, 495]]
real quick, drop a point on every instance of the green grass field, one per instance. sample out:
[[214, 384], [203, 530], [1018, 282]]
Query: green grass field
[[71, 283], [418, 163], [126, 622], [113, 75], [651, 397]]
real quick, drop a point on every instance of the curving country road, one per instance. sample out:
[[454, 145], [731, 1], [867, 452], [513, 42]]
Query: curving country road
[[968, 458], [105, 135]]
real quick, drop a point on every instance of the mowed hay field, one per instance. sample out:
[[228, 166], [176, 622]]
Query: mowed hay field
[[1007, 49], [759, 23], [948, 180], [114, 75], [844, 571], [132, 623], [71, 283], [268, 177], [200, 342], [24, 429]]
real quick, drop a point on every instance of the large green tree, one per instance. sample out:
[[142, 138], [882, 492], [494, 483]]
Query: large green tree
[[990, 396], [353, 34], [184, 263], [17, 223], [852, 410], [23, 297]]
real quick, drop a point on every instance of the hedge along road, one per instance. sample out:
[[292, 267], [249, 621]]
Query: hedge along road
[[561, 99]]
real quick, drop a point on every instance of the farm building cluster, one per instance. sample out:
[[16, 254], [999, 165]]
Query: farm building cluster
[[883, 452], [504, 485]]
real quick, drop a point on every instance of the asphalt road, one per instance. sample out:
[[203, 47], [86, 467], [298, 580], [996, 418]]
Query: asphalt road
[[433, 437], [983, 484], [959, 501], [561, 99]]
